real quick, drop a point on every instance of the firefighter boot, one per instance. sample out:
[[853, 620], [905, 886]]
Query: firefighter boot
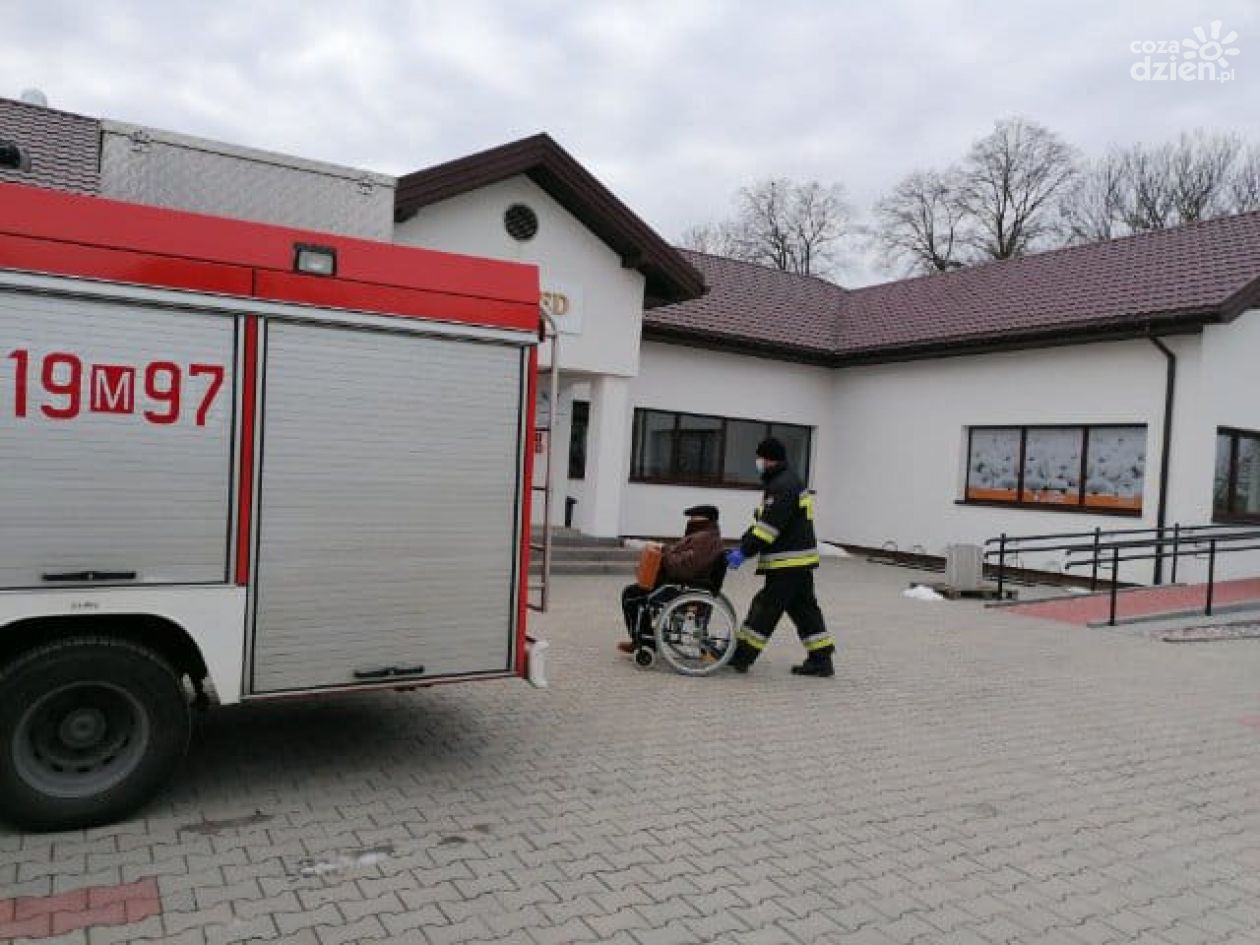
[[815, 665], [744, 657]]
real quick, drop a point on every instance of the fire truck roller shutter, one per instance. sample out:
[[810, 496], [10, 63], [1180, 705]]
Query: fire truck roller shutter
[[389, 506], [115, 431]]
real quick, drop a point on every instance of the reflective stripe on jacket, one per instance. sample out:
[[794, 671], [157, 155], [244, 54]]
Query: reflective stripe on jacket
[[782, 532]]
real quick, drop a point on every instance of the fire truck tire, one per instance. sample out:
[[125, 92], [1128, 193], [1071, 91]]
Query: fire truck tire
[[90, 729]]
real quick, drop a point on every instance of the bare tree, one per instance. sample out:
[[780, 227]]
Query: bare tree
[[1148, 193], [819, 218], [1244, 189], [1094, 208], [1201, 166], [921, 222], [762, 226], [1011, 182], [716, 239], [1193, 178], [795, 227]]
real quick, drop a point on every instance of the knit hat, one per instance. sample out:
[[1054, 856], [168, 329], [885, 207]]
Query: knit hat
[[709, 512], [772, 449]]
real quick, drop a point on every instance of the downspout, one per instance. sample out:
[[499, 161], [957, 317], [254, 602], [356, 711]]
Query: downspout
[[1161, 514]]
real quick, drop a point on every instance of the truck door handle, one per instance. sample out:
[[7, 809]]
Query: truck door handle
[[384, 672], [85, 576]]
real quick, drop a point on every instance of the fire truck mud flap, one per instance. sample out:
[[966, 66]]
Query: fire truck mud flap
[[536, 661]]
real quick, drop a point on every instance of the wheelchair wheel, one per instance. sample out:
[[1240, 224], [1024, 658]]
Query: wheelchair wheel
[[645, 657], [695, 632]]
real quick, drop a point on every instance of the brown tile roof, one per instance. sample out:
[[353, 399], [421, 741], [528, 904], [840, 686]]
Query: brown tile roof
[[753, 307], [1171, 280], [64, 147], [1168, 275], [669, 277]]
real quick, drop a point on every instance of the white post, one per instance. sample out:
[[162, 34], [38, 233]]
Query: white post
[[607, 456], [562, 431]]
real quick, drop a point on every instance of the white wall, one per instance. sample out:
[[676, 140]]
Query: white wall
[[898, 436], [1218, 384], [689, 380], [602, 332]]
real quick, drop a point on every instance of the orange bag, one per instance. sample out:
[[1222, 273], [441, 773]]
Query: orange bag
[[649, 566]]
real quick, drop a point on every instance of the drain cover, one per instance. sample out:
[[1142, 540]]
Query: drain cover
[[1213, 634]]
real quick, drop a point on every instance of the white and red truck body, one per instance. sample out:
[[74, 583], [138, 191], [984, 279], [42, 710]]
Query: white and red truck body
[[291, 462]]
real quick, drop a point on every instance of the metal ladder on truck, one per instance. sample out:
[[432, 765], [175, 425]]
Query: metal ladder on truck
[[542, 586]]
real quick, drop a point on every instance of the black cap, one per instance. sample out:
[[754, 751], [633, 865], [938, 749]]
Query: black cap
[[702, 511], [772, 449]]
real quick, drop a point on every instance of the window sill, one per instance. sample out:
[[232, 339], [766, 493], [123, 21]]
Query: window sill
[[1221, 519], [696, 484], [1047, 507]]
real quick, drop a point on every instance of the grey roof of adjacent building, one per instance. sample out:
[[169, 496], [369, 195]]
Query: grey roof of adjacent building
[[64, 148]]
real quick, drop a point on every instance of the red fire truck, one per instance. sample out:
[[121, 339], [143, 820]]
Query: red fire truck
[[242, 462]]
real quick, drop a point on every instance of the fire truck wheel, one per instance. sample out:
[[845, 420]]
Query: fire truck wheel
[[90, 729]]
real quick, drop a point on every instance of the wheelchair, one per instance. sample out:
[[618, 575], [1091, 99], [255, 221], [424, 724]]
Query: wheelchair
[[692, 625]]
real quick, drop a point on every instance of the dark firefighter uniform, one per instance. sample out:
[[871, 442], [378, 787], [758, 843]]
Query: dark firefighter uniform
[[782, 538]]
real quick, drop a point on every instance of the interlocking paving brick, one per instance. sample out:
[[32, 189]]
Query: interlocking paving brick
[[969, 777], [368, 928], [414, 919], [290, 922], [673, 933], [240, 931], [122, 934], [466, 931]]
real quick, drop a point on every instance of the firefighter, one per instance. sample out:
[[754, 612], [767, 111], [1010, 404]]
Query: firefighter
[[782, 539]]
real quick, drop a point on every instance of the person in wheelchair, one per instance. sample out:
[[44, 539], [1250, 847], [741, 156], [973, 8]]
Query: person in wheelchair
[[697, 560]]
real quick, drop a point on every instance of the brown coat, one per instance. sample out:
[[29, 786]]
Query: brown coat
[[694, 556]]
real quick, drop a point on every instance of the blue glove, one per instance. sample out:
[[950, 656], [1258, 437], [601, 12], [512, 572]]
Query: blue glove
[[734, 558]]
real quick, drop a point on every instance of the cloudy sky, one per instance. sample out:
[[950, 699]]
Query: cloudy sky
[[674, 104]]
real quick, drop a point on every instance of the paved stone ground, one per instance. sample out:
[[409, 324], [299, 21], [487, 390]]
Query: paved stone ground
[[970, 777]]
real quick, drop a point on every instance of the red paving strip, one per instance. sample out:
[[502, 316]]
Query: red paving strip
[[1145, 602], [1251, 721], [46, 916]]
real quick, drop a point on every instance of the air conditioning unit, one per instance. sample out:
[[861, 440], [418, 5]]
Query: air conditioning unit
[[964, 567]]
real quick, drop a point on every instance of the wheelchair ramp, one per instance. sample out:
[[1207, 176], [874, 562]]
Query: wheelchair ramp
[[1144, 603]]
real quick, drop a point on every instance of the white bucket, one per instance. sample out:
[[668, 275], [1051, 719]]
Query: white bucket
[[536, 662]]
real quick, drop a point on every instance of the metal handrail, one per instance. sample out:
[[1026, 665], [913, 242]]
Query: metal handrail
[[1213, 551], [1186, 552], [1112, 548], [1112, 531], [1104, 540]]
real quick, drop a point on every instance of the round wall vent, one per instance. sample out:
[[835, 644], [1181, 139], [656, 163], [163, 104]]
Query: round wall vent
[[521, 222]]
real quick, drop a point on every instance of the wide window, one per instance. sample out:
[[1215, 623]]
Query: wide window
[[1236, 492], [702, 450], [1095, 468]]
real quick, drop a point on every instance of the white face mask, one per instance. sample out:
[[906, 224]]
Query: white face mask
[[761, 465]]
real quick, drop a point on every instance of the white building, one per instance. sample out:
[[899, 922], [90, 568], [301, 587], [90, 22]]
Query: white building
[[1024, 397], [1027, 396]]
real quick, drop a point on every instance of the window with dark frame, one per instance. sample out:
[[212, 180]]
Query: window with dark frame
[[1236, 486], [1086, 467], [581, 419], [703, 450]]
